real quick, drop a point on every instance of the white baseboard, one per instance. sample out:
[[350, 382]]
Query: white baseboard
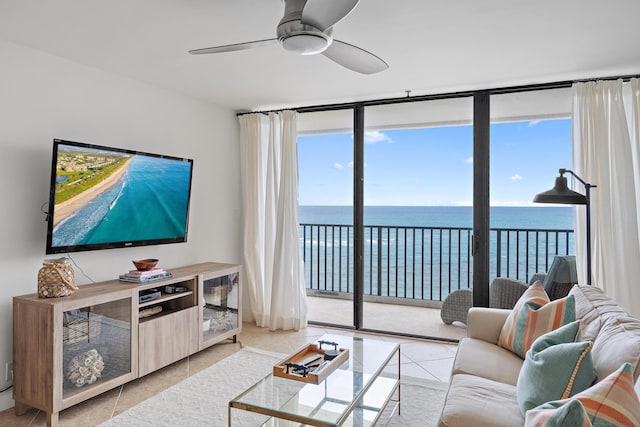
[[6, 400]]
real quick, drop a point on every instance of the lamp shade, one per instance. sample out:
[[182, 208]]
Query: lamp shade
[[561, 194]]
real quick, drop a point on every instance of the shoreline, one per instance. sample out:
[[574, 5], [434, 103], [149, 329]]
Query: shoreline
[[69, 207]]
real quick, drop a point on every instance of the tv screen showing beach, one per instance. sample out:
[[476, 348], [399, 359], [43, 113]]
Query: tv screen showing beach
[[106, 198]]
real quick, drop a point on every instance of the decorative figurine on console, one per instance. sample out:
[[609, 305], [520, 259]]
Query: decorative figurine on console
[[56, 278], [85, 368]]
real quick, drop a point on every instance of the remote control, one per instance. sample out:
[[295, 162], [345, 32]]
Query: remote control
[[310, 359], [319, 367]]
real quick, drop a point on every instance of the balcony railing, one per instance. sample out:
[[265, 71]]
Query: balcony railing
[[421, 263]]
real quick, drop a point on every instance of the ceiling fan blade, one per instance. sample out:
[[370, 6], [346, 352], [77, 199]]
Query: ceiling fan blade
[[234, 47], [324, 14], [354, 58]]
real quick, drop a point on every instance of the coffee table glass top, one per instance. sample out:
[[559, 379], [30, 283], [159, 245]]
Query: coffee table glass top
[[368, 374]]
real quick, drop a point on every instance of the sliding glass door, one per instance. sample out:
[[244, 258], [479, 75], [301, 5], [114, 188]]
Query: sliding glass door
[[418, 176], [325, 170]]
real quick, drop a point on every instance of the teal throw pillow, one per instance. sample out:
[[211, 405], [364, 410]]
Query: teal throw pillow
[[570, 414], [557, 366]]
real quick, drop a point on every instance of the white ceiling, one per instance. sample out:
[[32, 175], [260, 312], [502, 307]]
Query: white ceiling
[[431, 46]]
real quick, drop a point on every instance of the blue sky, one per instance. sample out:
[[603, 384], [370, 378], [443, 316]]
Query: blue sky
[[433, 166]]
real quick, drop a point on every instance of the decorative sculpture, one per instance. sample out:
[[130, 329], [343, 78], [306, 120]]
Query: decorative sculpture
[[224, 321], [85, 368]]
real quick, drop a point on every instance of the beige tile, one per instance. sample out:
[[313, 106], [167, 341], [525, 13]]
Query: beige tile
[[440, 368], [90, 412], [268, 340], [421, 351], [39, 420], [141, 389], [87, 413], [403, 359], [415, 370], [8, 418]]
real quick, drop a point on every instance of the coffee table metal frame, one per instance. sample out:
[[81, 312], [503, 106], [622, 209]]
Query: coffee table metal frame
[[366, 363]]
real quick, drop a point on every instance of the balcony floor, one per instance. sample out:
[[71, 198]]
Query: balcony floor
[[393, 318]]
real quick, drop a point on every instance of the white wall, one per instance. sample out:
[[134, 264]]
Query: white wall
[[44, 97]]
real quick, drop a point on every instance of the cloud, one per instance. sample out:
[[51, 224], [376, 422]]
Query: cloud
[[337, 165], [375, 136], [516, 177], [469, 160], [532, 123]]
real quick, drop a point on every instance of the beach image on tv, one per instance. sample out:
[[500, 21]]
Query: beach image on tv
[[108, 196]]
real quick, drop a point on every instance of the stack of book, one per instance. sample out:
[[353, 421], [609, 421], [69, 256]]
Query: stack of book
[[152, 275]]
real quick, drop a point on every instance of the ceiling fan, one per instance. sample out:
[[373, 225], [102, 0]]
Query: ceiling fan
[[307, 29]]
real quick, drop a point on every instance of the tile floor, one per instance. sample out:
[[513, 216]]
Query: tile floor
[[419, 358]]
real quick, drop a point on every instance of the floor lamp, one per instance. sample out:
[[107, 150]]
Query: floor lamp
[[561, 194]]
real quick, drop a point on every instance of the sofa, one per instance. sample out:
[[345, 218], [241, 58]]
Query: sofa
[[482, 388]]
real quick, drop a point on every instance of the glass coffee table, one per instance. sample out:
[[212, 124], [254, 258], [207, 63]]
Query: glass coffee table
[[355, 394]]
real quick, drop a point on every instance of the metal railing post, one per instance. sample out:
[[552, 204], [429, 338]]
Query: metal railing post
[[379, 261]]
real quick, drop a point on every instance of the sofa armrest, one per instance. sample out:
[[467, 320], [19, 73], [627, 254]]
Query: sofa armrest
[[486, 323]]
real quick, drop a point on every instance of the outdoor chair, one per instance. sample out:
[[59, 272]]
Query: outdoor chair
[[504, 292], [456, 306]]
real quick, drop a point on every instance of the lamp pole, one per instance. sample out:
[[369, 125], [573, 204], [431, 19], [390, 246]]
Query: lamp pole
[[587, 191]]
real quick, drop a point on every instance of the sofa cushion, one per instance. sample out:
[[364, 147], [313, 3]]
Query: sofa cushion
[[615, 334], [476, 401], [617, 342], [611, 402], [533, 316], [480, 358], [557, 366], [593, 306]]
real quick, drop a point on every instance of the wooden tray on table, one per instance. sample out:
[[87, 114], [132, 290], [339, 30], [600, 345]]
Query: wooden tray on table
[[312, 363]]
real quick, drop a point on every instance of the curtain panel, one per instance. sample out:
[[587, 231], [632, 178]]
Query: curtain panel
[[274, 273], [606, 146]]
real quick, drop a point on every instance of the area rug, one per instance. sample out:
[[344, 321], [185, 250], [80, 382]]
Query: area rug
[[201, 400]]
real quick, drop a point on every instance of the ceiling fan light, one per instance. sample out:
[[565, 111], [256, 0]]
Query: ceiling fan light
[[305, 44]]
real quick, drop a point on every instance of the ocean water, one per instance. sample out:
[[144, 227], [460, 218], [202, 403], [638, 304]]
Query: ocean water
[[537, 217], [149, 202], [424, 252]]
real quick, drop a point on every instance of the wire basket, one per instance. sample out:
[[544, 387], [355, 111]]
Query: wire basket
[[82, 326]]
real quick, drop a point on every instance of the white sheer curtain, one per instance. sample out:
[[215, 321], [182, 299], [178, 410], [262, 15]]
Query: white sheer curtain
[[605, 153], [272, 260]]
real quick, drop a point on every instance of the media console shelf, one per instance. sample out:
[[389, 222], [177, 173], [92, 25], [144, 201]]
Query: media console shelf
[[164, 297], [67, 350]]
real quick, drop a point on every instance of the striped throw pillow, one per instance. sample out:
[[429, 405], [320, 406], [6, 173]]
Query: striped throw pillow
[[610, 403], [533, 316]]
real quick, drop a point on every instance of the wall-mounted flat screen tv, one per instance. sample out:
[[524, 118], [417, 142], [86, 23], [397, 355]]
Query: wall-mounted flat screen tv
[[102, 197]]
